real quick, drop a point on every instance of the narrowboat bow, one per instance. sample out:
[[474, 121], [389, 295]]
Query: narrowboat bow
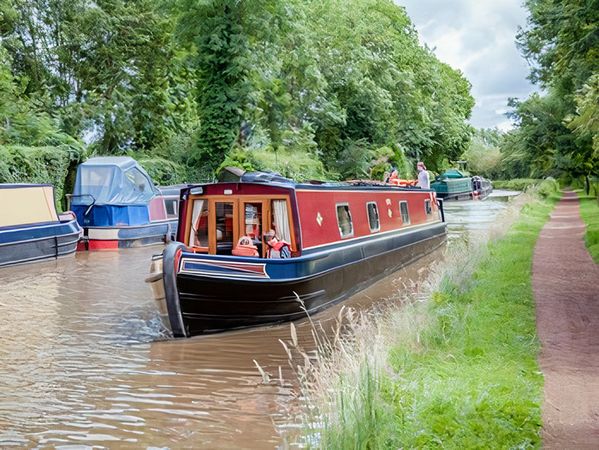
[[341, 237], [30, 228]]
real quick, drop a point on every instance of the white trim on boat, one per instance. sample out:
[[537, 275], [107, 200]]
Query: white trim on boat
[[45, 238], [103, 234]]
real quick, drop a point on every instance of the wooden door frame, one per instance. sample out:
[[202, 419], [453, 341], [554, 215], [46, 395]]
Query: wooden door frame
[[212, 201], [265, 214], [238, 201]]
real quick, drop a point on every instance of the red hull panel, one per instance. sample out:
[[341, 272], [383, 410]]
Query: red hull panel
[[94, 244]]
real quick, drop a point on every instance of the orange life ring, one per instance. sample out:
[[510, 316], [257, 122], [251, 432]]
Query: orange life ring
[[245, 247]]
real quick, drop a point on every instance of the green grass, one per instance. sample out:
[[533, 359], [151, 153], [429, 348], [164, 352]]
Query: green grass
[[589, 211], [476, 382], [465, 375]]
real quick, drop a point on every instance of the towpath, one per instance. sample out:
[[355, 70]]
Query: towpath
[[566, 289]]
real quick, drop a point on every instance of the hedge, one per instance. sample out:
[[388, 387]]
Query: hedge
[[54, 165]]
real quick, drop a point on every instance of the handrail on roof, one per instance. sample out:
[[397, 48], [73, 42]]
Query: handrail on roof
[[70, 196]]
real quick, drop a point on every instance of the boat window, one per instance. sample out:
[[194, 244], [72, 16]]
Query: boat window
[[373, 216], [405, 213], [253, 220], [346, 227], [428, 208], [198, 233], [281, 220], [139, 181], [172, 207], [224, 227]]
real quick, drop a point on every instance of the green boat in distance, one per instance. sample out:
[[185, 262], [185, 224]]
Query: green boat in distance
[[455, 184]]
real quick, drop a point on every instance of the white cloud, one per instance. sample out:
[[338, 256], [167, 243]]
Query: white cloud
[[477, 37]]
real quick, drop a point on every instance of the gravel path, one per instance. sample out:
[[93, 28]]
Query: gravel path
[[566, 289]]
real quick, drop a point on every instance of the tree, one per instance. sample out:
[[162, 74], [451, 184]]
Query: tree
[[561, 42], [106, 69]]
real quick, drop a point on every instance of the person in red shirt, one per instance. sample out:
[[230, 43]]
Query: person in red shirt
[[276, 248]]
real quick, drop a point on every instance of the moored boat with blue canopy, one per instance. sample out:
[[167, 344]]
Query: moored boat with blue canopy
[[118, 205]]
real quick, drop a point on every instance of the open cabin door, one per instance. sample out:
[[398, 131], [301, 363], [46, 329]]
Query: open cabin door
[[254, 215], [223, 226]]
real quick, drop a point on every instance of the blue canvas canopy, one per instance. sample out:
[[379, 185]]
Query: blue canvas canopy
[[116, 180], [112, 191]]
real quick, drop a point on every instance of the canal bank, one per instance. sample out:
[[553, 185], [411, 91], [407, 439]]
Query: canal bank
[[456, 365]]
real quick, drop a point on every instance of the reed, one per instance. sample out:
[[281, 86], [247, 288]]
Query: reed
[[451, 363]]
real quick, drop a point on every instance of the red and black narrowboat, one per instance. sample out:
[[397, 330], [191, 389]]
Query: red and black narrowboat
[[342, 237]]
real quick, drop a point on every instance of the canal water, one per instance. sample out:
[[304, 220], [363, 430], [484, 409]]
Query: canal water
[[85, 360]]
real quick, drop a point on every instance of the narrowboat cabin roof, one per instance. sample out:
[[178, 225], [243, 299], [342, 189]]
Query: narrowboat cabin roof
[[276, 180], [234, 175], [454, 173], [24, 204], [172, 190]]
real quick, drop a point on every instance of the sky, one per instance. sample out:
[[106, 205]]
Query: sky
[[478, 37]]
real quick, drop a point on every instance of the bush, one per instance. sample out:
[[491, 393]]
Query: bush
[[547, 187], [517, 184], [592, 236], [589, 211], [544, 187], [297, 165], [164, 172], [55, 165]]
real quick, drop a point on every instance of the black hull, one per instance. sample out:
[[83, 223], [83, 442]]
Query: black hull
[[206, 304], [466, 195], [38, 249], [469, 195]]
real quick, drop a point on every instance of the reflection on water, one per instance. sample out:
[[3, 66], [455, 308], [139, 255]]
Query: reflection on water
[[85, 361], [475, 216]]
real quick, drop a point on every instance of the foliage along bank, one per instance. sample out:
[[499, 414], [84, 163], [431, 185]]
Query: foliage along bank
[[314, 89]]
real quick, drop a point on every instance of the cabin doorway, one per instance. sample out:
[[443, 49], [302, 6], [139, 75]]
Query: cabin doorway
[[254, 214], [235, 218], [223, 226]]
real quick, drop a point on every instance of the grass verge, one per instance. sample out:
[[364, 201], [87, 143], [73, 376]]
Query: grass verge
[[589, 211], [454, 367]]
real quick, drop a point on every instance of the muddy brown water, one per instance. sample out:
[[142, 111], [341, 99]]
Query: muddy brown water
[[85, 360]]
